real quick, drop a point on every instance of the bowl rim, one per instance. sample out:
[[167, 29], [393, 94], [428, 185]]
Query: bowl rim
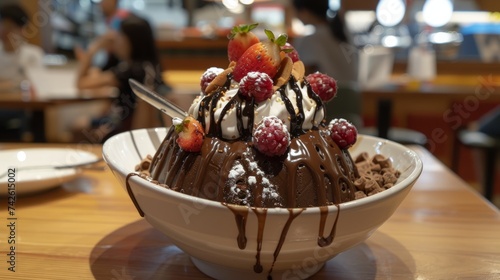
[[400, 186]]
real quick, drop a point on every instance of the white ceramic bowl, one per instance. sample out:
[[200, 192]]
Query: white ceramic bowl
[[207, 230]]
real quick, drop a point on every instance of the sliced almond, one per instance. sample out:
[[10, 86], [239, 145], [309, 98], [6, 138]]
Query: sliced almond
[[284, 73], [298, 70], [220, 80]]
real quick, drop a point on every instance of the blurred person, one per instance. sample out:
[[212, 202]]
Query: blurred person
[[135, 48], [112, 13], [16, 54], [113, 16], [329, 49]]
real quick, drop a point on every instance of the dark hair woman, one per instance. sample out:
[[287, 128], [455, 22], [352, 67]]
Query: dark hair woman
[[134, 45], [328, 49], [322, 11]]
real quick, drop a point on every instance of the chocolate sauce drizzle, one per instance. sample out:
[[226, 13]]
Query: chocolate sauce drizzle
[[246, 108], [293, 213], [261, 222], [240, 216], [131, 194], [315, 97], [325, 241]]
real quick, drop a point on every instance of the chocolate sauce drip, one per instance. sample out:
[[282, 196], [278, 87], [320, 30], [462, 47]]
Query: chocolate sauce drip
[[160, 160], [317, 99], [300, 117], [204, 106], [175, 166], [210, 101], [239, 114], [249, 112], [131, 194], [318, 155], [240, 216], [293, 213], [325, 241], [214, 129], [235, 101], [294, 130], [261, 220]]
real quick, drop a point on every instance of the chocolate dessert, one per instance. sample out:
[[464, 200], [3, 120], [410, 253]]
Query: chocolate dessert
[[314, 171], [256, 136]]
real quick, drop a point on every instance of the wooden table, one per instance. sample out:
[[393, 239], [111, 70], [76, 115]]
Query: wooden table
[[89, 229], [42, 112]]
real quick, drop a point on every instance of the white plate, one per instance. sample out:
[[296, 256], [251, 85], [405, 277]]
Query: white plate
[[18, 162]]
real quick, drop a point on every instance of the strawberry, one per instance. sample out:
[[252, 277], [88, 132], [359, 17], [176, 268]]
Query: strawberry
[[190, 134], [240, 39], [261, 57]]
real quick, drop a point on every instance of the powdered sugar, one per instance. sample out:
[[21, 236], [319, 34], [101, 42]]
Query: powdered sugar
[[236, 171], [252, 180]]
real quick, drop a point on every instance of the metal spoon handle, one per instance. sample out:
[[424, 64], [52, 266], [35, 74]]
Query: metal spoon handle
[[157, 100]]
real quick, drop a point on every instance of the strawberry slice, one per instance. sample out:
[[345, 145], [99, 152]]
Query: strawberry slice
[[262, 57], [190, 132], [240, 39]]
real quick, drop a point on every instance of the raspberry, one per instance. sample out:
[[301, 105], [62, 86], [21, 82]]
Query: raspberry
[[343, 133], [323, 85], [257, 85], [271, 137], [293, 54], [209, 76]]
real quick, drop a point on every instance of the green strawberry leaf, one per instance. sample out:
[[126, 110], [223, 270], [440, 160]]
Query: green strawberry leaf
[[179, 124], [243, 28], [281, 41], [179, 128], [269, 35], [287, 50], [250, 27]]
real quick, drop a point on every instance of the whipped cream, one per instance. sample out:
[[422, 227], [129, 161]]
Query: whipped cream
[[273, 106]]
